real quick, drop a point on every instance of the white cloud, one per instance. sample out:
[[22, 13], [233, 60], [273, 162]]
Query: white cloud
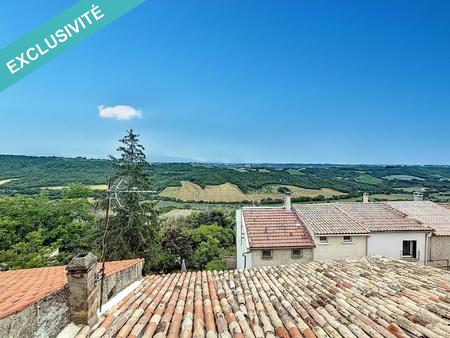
[[118, 112]]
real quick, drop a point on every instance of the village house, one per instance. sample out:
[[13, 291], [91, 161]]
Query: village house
[[445, 205], [419, 233], [335, 234], [436, 217], [392, 233], [271, 236]]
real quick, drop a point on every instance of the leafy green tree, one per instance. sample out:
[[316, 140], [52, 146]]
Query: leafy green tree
[[161, 260], [206, 252], [134, 224], [216, 264], [177, 240], [215, 216], [284, 190], [76, 190], [205, 233], [36, 231], [32, 252]]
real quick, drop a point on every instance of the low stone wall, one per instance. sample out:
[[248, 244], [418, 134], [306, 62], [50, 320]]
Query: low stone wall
[[230, 261], [48, 316], [43, 319], [120, 280]]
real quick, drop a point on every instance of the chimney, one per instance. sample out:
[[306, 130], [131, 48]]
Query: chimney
[[366, 197], [287, 202], [418, 197], [83, 289]]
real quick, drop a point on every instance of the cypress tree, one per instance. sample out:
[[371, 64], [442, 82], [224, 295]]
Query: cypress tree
[[134, 222]]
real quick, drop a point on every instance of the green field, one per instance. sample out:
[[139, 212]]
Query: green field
[[369, 179], [382, 197], [228, 183]]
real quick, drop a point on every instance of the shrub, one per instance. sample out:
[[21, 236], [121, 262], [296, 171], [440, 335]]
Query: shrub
[[216, 264], [206, 252]]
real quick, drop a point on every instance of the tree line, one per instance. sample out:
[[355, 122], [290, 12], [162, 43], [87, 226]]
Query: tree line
[[39, 231]]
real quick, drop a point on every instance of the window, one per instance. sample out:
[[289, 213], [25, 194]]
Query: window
[[409, 249], [323, 239], [348, 239], [266, 254], [297, 253]]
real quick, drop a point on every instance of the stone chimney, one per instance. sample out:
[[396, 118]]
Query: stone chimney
[[418, 196], [83, 289], [287, 202], [366, 197]]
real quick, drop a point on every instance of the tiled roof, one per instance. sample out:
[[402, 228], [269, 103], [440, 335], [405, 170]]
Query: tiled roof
[[117, 266], [445, 205], [328, 219], [275, 227], [428, 213], [21, 288], [381, 217], [363, 297]]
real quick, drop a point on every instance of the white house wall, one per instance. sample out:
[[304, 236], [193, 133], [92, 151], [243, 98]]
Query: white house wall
[[390, 244]]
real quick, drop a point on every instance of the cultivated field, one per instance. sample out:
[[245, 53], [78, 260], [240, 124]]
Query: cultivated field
[[404, 178], [369, 179], [6, 181], [237, 182], [175, 215], [229, 192], [92, 187], [382, 197]]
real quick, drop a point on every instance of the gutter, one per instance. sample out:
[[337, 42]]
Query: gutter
[[244, 254], [428, 247]]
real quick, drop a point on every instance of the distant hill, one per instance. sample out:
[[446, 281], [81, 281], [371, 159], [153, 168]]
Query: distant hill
[[266, 182]]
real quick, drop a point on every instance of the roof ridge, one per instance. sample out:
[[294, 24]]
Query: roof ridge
[[401, 213], [350, 217], [308, 231]]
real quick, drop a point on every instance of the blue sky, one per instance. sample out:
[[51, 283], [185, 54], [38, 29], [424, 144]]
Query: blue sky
[[242, 81]]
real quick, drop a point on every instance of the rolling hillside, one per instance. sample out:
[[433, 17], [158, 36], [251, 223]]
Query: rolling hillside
[[229, 192], [231, 182]]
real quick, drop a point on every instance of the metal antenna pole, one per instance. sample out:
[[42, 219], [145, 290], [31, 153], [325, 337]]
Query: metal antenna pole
[[108, 204], [116, 192]]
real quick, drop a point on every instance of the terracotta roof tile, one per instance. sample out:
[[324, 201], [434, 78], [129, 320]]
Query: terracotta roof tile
[[428, 213], [275, 227], [328, 219], [381, 217], [445, 205], [352, 297], [21, 288]]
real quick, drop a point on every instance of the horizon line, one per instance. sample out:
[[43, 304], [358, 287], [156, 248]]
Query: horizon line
[[191, 161]]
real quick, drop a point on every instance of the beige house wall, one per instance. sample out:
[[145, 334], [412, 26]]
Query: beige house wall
[[279, 257], [337, 248], [439, 250]]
